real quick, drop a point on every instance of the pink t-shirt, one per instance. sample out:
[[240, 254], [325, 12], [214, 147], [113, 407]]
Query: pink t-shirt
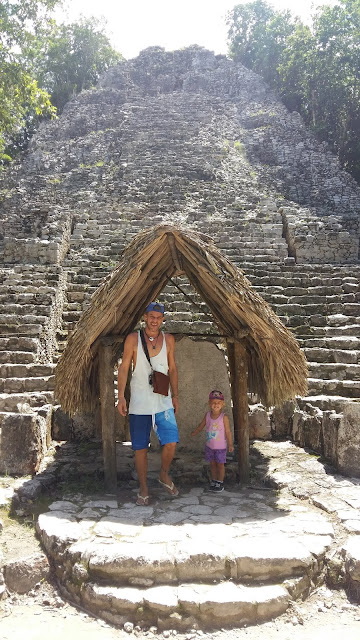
[[215, 432]]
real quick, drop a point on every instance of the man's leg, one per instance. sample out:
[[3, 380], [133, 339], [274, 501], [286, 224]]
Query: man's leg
[[167, 456], [141, 465], [140, 426]]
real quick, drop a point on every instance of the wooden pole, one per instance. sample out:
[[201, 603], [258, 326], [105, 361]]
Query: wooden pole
[[107, 400], [241, 408]]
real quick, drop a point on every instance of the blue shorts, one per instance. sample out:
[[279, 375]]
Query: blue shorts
[[165, 428]]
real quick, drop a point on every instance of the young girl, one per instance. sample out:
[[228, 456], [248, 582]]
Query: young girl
[[217, 435]]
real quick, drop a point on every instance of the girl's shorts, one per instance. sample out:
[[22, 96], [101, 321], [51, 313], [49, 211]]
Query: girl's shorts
[[215, 455], [165, 428]]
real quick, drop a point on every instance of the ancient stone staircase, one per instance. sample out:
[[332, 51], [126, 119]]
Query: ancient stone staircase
[[31, 301]]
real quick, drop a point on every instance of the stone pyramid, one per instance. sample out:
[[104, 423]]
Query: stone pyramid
[[192, 138]]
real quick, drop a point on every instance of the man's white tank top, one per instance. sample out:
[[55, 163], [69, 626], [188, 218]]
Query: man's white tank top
[[143, 400]]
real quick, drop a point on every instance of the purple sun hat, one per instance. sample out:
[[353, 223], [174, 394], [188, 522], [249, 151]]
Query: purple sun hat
[[216, 395]]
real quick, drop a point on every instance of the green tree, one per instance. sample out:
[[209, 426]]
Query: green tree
[[74, 57], [337, 59], [20, 94], [258, 35], [316, 70]]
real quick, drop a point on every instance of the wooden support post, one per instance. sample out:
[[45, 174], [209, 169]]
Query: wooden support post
[[107, 400], [241, 408]]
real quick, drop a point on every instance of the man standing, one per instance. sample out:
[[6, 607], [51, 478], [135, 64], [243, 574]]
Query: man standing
[[149, 409]]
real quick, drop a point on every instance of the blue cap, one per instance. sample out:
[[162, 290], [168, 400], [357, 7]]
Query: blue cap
[[155, 306]]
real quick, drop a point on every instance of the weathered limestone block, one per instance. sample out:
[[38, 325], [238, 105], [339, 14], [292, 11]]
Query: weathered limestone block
[[330, 428], [84, 425], [23, 574], [348, 442], [281, 419], [351, 554], [32, 251], [23, 443], [259, 423], [62, 425], [201, 367], [283, 558]]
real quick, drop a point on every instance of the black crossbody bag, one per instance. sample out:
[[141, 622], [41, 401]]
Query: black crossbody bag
[[159, 381]]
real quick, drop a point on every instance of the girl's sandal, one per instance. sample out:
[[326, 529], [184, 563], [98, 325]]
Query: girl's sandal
[[142, 501]]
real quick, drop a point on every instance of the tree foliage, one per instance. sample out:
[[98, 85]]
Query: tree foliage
[[43, 65], [75, 56], [315, 69], [258, 35], [20, 94]]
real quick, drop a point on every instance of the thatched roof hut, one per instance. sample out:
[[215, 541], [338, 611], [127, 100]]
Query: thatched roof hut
[[277, 369]]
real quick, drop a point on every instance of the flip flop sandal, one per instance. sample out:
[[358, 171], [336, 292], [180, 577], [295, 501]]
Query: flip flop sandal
[[142, 501], [170, 488]]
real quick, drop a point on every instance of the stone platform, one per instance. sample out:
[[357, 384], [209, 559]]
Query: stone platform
[[216, 560]]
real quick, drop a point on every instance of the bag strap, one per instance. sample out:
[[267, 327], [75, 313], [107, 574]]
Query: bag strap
[[146, 351]]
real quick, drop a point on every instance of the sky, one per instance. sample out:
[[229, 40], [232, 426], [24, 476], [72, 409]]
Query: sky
[[133, 25]]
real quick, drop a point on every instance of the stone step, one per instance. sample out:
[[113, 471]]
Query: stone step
[[19, 343], [324, 402], [91, 270], [307, 299], [26, 370], [30, 329], [8, 319], [26, 310], [178, 558], [336, 314], [334, 371], [26, 298], [31, 289], [262, 258], [292, 279], [291, 292], [12, 401], [342, 343], [345, 388], [178, 607], [265, 250], [348, 330], [319, 355], [24, 385], [17, 357], [304, 331], [196, 559]]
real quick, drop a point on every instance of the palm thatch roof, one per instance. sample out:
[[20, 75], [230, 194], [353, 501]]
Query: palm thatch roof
[[276, 365]]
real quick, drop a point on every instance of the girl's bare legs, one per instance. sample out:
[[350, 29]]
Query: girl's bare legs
[[220, 470], [213, 470], [217, 470]]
